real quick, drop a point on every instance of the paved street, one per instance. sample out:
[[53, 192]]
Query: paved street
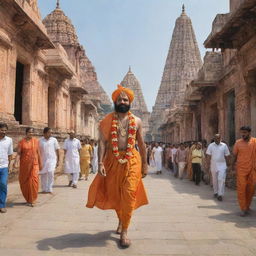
[[181, 219]]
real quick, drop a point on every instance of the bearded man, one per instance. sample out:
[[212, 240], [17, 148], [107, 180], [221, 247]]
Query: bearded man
[[118, 184], [245, 166]]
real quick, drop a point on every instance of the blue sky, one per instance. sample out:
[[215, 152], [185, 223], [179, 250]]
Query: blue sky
[[119, 33]]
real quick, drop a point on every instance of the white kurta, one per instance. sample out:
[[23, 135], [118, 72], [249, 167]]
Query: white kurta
[[48, 153], [218, 166], [72, 157], [158, 158], [95, 159]]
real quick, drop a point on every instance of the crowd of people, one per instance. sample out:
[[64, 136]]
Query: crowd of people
[[40, 158], [195, 161], [199, 161]]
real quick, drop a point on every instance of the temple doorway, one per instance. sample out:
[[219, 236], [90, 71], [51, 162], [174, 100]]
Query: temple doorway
[[18, 92], [230, 117]]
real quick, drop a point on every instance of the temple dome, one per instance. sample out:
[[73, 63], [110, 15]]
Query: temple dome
[[60, 28]]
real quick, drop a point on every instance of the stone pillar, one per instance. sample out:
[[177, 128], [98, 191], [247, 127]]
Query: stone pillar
[[27, 97], [253, 109]]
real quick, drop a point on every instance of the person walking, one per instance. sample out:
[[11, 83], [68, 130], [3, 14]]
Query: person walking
[[197, 158], [118, 184], [86, 154], [218, 157], [72, 147], [245, 165], [50, 154], [158, 158], [30, 163], [6, 152], [95, 158], [181, 159]]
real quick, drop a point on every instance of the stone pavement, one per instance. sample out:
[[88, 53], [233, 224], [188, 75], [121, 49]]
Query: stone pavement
[[181, 219]]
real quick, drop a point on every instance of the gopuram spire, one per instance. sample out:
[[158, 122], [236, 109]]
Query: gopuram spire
[[182, 65], [138, 106], [58, 4]]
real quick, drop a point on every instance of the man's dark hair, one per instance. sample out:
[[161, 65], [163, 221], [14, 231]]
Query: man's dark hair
[[3, 125], [28, 129], [246, 128], [46, 129]]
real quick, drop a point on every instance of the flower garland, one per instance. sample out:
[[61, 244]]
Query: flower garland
[[130, 141]]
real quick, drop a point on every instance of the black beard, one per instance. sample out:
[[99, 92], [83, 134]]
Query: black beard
[[122, 108]]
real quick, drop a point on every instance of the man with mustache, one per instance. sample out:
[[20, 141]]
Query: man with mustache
[[118, 184], [245, 159]]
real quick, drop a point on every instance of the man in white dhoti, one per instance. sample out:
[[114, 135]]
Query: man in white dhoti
[[218, 157], [50, 152], [72, 148], [158, 158], [95, 158]]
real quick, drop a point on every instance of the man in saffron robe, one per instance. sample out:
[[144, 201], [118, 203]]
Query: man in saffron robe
[[245, 159], [118, 184]]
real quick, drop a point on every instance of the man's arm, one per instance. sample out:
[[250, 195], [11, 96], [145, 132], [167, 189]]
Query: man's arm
[[142, 148], [101, 153], [227, 156]]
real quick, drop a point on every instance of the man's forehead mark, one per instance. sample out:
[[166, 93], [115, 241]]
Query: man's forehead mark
[[123, 95]]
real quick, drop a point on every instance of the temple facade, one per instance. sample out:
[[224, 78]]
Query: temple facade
[[138, 107], [223, 96], [46, 79], [182, 64]]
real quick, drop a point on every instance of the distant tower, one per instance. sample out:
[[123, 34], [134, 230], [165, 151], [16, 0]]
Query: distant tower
[[182, 65], [138, 107]]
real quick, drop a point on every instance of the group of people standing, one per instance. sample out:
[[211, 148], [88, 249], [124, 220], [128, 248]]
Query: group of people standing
[[198, 161], [41, 157]]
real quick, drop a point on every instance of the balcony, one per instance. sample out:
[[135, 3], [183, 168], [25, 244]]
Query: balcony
[[232, 31]]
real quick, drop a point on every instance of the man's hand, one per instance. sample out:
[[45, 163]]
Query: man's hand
[[232, 169], [144, 170], [101, 170]]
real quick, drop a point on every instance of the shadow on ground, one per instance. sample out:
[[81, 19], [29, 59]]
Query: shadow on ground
[[76, 240], [229, 205]]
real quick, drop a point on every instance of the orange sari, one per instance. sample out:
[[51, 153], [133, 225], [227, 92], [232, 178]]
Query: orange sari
[[29, 169], [122, 188]]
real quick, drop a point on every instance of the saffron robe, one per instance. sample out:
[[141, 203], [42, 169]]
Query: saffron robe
[[246, 171], [122, 188], [29, 169]]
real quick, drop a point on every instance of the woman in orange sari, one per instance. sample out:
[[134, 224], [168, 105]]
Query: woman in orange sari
[[30, 164]]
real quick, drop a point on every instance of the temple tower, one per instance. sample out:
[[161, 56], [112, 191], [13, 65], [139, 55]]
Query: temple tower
[[138, 107], [61, 31], [182, 64]]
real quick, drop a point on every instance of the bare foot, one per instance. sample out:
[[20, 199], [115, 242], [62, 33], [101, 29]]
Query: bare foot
[[125, 242]]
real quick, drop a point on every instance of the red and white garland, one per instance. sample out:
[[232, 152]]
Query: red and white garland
[[130, 141]]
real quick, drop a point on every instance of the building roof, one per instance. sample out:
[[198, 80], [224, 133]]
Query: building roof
[[60, 28], [234, 29]]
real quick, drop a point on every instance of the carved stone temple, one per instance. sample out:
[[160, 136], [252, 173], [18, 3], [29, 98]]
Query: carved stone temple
[[222, 97], [138, 107], [46, 78], [182, 64]]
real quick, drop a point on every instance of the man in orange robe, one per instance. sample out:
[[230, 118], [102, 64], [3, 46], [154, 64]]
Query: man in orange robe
[[118, 184], [245, 159]]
